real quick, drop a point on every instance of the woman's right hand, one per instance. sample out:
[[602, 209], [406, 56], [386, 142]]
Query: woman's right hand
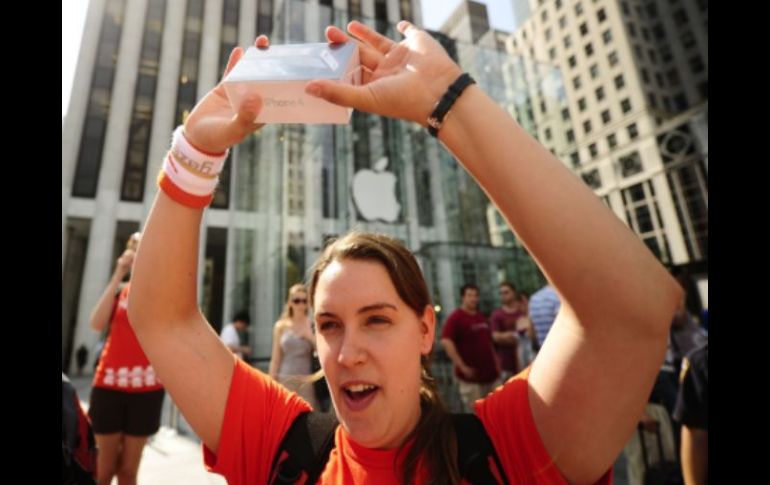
[[400, 79]]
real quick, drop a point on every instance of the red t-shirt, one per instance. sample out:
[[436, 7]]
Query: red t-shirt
[[123, 365], [507, 355], [259, 412], [473, 340]]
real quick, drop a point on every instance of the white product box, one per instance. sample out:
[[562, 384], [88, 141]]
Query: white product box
[[280, 73]]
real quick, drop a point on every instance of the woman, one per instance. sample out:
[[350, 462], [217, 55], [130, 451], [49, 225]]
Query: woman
[[293, 346], [565, 420], [527, 338], [126, 397]]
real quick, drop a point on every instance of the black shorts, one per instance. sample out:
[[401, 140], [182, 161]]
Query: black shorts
[[131, 413]]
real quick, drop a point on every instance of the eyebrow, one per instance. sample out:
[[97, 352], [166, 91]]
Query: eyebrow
[[363, 309]]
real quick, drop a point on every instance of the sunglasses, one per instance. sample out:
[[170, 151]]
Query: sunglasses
[[297, 301]]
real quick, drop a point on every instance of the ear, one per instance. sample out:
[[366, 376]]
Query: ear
[[427, 329]]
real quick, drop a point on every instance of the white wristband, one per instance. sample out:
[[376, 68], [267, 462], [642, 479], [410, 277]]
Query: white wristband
[[187, 181], [198, 163]]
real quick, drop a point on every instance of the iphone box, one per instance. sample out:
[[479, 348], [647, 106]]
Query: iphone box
[[279, 74]]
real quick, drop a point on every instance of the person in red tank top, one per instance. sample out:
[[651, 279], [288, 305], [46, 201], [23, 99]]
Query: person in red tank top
[[126, 395]]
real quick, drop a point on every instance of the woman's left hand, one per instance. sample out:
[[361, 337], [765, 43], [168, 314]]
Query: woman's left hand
[[212, 126]]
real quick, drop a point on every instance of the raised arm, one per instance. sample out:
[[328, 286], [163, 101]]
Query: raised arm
[[592, 378], [193, 364], [100, 315]]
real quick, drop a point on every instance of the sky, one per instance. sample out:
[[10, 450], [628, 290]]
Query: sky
[[435, 12], [73, 13]]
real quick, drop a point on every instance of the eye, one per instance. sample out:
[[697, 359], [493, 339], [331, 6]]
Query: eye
[[327, 326], [377, 320]]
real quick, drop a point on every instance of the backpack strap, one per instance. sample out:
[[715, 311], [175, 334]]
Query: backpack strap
[[476, 456], [305, 449]]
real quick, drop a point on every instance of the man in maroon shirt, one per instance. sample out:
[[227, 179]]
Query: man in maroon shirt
[[467, 340], [505, 333]]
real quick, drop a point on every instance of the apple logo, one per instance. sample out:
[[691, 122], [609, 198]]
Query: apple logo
[[374, 193]]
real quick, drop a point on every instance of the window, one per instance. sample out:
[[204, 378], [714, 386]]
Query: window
[[630, 164], [633, 132], [653, 100], [583, 28], [574, 159], [658, 31], [619, 81], [552, 53], [659, 79], [544, 15], [548, 34], [612, 58], [665, 53], [687, 39], [612, 141], [570, 136], [587, 126], [592, 179], [599, 93], [680, 101], [578, 8], [572, 61], [582, 104], [673, 77], [567, 41], [565, 114], [562, 22], [548, 134], [645, 76], [652, 56], [594, 70], [601, 15], [680, 17], [625, 105], [589, 49], [696, 64], [631, 30], [607, 36], [606, 116], [592, 150], [703, 89]]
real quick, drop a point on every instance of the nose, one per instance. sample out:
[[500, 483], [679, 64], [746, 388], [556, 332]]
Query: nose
[[352, 351]]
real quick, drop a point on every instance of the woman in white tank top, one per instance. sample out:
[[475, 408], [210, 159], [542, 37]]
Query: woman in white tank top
[[293, 346]]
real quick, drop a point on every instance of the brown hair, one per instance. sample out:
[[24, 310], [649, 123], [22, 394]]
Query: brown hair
[[434, 436]]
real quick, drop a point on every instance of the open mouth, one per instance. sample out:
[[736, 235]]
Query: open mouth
[[359, 392], [358, 397]]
